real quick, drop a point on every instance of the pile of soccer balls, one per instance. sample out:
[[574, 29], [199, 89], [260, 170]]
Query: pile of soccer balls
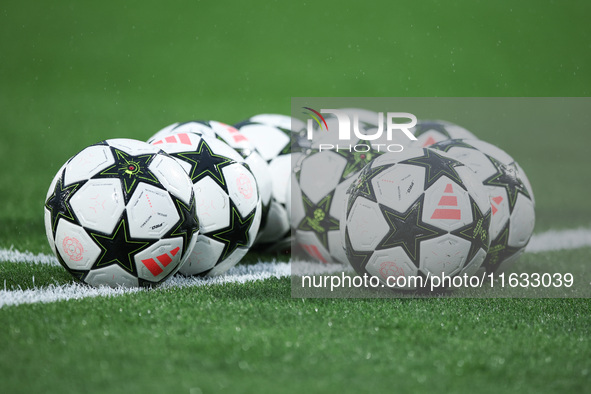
[[192, 199], [198, 195], [448, 203]]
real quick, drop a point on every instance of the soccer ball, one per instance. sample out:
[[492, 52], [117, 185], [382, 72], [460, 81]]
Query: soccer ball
[[297, 127], [237, 141], [121, 213], [511, 197], [273, 140], [227, 200], [277, 120], [416, 213], [320, 182], [429, 132]]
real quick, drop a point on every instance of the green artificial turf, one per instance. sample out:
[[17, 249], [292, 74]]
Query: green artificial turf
[[551, 274], [254, 338], [23, 276], [73, 73], [15, 276]]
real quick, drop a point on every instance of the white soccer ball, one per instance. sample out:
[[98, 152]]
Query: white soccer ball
[[320, 182], [278, 120], [429, 132], [237, 141], [272, 138], [297, 127], [511, 197], [418, 213], [121, 213], [227, 200]]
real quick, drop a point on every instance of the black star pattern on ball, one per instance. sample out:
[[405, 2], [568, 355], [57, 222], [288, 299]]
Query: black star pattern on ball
[[356, 160], [446, 145], [436, 166], [188, 127], [499, 250], [244, 123], [423, 127], [242, 151], [507, 176], [203, 122], [236, 234], [131, 170], [118, 248], [205, 163], [188, 223], [58, 203], [362, 186], [78, 274], [287, 148], [476, 232], [292, 136], [408, 230], [357, 259], [318, 219]]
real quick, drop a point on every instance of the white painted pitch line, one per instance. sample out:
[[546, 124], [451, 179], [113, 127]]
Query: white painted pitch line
[[14, 256], [543, 242], [559, 240], [547, 241], [238, 274], [52, 293]]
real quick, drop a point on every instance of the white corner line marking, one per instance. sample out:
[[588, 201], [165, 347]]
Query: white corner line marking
[[552, 240]]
